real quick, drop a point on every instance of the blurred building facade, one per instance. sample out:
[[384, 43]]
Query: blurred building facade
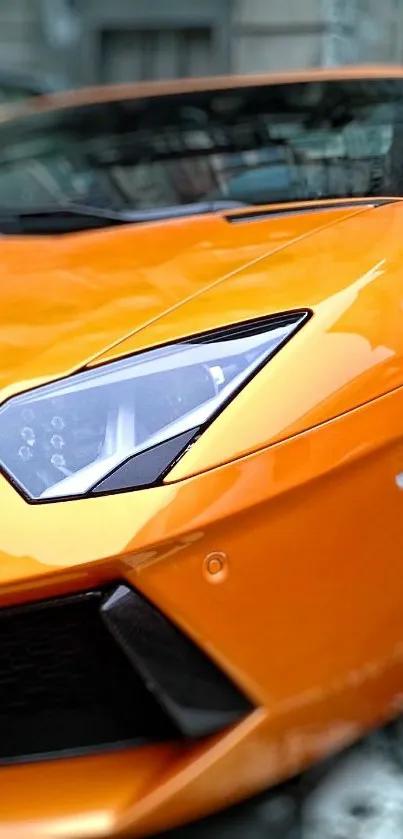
[[98, 41]]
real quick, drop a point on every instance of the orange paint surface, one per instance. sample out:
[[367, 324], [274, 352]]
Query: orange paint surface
[[294, 484]]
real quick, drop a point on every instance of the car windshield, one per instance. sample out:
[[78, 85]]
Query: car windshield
[[255, 144]]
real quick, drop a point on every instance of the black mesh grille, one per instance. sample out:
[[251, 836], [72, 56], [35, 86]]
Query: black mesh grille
[[66, 685]]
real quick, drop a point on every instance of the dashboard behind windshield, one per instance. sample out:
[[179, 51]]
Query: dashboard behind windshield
[[257, 144]]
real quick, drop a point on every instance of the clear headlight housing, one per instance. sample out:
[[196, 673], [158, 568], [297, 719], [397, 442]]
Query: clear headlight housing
[[63, 439]]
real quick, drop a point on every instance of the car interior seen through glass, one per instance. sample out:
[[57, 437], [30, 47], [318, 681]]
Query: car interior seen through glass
[[252, 145]]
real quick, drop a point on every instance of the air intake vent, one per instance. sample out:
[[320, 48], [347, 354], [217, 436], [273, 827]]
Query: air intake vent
[[70, 685], [65, 685]]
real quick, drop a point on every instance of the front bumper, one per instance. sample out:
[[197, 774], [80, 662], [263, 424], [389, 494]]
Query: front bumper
[[289, 618]]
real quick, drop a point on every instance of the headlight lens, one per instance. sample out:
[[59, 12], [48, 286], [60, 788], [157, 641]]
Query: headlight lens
[[61, 440]]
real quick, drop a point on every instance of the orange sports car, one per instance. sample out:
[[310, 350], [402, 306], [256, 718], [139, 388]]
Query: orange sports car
[[201, 455]]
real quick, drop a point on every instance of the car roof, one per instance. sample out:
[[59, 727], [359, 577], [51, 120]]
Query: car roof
[[137, 90]]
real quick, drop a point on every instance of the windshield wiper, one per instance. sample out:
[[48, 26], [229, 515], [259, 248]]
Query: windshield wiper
[[73, 218]]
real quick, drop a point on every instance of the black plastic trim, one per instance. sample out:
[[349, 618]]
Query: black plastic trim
[[79, 218], [260, 214], [145, 469], [255, 326], [195, 695]]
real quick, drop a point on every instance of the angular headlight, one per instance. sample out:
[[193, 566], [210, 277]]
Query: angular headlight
[[122, 425]]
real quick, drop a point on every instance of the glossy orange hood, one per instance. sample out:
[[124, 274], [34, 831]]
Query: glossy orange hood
[[72, 301], [65, 300]]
